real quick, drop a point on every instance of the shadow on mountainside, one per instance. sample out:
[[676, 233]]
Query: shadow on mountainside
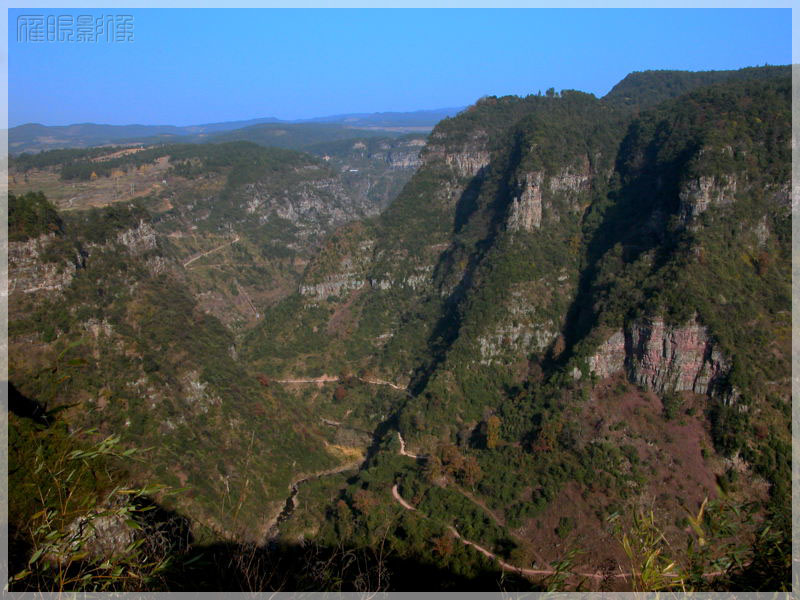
[[635, 216], [479, 224]]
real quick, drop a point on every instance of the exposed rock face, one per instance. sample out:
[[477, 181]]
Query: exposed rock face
[[195, 392], [417, 280], [102, 533], [524, 326], [399, 159], [573, 184], [783, 196], [698, 194], [333, 286], [517, 339], [468, 164], [397, 154], [313, 207], [662, 359], [467, 159], [567, 181], [400, 155], [97, 327], [138, 239], [679, 359], [609, 357], [525, 212], [27, 272], [349, 274]]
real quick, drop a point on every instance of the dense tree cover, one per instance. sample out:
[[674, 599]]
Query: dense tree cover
[[52, 158], [31, 215], [643, 89]]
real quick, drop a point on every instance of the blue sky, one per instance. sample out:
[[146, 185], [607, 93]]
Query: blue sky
[[189, 66]]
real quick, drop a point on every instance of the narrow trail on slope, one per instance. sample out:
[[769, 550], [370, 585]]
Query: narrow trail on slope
[[333, 379], [207, 252], [244, 294], [404, 452], [488, 553], [322, 379]]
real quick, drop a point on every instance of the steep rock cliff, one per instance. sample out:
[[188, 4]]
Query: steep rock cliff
[[700, 193], [526, 208], [662, 358]]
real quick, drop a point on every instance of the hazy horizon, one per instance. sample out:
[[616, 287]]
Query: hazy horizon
[[245, 119]]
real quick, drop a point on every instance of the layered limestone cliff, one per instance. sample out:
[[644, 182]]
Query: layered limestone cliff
[[468, 164], [662, 358], [468, 158], [348, 273], [525, 323], [609, 358]]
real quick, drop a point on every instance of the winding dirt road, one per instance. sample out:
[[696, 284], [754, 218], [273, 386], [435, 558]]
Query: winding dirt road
[[491, 555], [500, 562]]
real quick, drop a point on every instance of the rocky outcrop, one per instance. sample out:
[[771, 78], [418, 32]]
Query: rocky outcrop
[[662, 358], [195, 393], [333, 285], [402, 159], [569, 181], [102, 533], [568, 185], [525, 212], [138, 239], [27, 272], [700, 193]]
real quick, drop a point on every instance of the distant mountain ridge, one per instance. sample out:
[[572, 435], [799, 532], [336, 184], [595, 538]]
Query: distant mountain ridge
[[34, 137]]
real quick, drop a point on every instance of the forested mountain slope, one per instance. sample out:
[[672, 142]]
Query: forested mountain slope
[[546, 247], [575, 314]]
